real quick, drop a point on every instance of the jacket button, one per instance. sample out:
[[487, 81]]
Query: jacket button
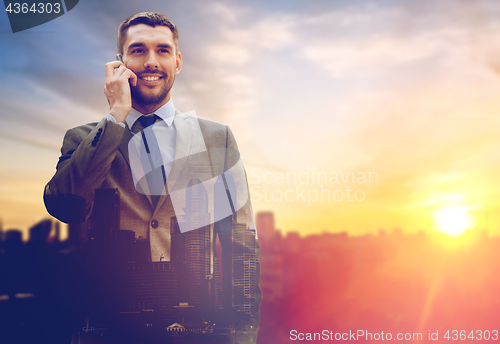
[[154, 223]]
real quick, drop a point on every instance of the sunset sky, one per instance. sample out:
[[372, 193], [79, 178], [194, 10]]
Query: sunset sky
[[406, 93]]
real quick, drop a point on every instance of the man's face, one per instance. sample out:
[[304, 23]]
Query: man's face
[[151, 54]]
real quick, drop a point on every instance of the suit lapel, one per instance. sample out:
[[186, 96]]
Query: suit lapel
[[184, 134]]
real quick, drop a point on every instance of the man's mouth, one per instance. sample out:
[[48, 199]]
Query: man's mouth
[[150, 78]]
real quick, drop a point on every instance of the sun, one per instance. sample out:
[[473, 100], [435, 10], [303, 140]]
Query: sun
[[453, 221]]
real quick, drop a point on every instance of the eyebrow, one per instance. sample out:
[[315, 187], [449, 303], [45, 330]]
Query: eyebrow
[[135, 45], [139, 44], [164, 45]]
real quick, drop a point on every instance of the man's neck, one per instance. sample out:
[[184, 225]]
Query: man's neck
[[147, 108]]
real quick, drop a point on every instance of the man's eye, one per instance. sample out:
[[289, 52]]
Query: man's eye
[[137, 51], [163, 51]]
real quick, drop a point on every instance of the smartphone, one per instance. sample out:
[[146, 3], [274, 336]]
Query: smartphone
[[119, 58]]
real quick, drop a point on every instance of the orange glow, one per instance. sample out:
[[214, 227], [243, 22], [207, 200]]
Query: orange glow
[[453, 221]]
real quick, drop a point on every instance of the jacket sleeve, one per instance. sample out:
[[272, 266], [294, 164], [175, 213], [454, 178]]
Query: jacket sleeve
[[86, 156]]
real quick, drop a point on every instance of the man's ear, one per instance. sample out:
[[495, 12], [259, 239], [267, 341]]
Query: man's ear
[[178, 63]]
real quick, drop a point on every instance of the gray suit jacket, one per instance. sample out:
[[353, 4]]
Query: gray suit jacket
[[96, 155]]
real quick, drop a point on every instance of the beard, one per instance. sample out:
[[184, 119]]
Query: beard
[[144, 95]]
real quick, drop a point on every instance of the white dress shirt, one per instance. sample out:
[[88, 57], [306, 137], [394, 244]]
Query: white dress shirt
[[164, 131]]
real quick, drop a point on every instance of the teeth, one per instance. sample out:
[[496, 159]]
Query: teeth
[[151, 78]]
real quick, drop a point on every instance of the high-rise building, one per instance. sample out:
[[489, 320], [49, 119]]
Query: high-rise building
[[269, 236], [199, 248], [265, 223], [153, 288], [244, 270], [271, 257]]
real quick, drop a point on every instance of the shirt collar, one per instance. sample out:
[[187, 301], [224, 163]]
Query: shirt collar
[[166, 113]]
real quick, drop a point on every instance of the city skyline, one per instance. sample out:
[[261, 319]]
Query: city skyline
[[115, 278], [392, 282]]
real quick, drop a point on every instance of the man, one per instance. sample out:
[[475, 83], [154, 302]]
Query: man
[[122, 152]]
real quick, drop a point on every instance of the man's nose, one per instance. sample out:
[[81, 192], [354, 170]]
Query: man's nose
[[151, 61]]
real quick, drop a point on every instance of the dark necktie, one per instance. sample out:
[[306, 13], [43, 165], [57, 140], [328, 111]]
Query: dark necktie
[[156, 177]]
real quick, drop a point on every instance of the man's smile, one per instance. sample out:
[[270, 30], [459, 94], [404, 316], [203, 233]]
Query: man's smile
[[150, 79]]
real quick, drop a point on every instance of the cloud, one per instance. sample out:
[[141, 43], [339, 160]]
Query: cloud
[[372, 55]]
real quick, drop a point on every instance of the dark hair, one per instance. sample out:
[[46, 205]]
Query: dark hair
[[149, 18]]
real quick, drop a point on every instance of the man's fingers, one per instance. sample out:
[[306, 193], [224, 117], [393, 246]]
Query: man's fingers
[[110, 68], [119, 71], [131, 76]]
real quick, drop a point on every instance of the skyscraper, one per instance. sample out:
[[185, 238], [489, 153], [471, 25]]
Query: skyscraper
[[244, 270], [199, 254]]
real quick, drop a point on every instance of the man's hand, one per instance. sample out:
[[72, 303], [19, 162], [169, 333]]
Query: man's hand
[[117, 89]]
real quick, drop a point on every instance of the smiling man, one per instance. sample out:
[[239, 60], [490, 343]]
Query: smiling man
[[151, 60], [180, 178]]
